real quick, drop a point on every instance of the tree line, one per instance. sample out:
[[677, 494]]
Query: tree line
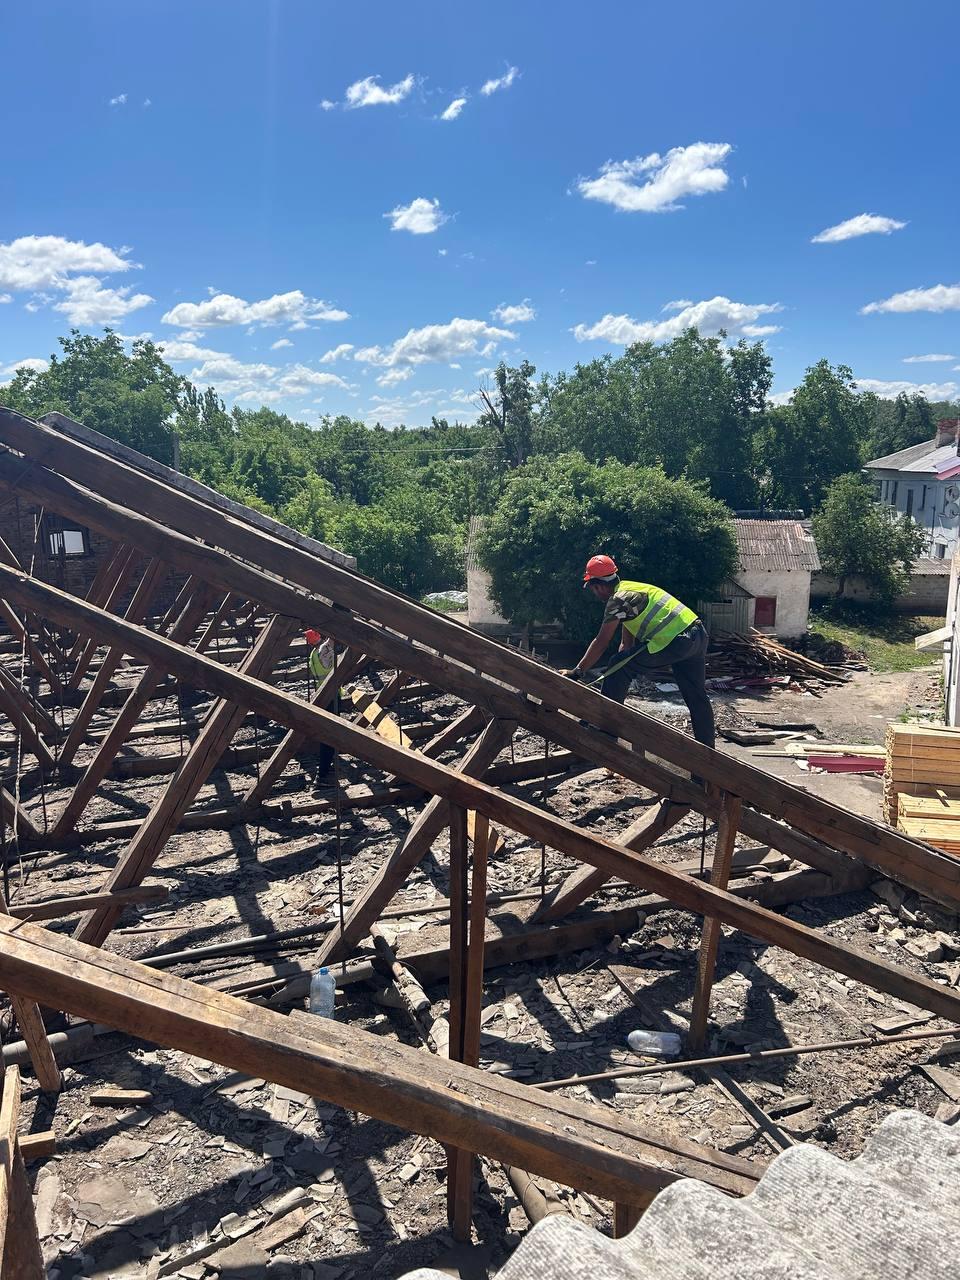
[[644, 453]]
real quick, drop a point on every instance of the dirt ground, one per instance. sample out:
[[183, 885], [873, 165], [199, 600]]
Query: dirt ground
[[216, 1174]]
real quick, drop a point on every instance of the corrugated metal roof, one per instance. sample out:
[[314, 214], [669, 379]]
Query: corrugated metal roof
[[776, 544], [473, 533], [919, 457], [925, 566]]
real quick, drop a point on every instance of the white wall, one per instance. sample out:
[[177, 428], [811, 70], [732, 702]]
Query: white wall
[[932, 507], [481, 611], [951, 649], [792, 590]]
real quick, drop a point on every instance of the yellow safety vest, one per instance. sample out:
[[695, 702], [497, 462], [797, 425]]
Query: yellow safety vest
[[320, 671], [664, 618]]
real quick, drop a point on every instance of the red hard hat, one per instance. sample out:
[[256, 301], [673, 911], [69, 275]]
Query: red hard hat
[[599, 567], [312, 637]]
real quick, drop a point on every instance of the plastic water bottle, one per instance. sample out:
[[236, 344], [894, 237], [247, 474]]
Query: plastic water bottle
[[655, 1044], [323, 991]]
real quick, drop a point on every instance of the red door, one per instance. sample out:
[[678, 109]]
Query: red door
[[765, 611]]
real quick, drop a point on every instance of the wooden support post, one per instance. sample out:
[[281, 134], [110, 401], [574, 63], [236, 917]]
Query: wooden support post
[[460, 1164], [164, 818], [26, 729], [19, 629], [227, 604], [13, 813], [123, 571], [98, 592], [136, 610], [411, 850], [39, 717], [710, 941], [390, 690], [128, 716], [19, 1242], [586, 880], [473, 1000], [347, 666], [27, 1014], [469, 722]]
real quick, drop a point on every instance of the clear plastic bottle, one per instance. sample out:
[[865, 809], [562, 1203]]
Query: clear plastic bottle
[[323, 991], [655, 1044]]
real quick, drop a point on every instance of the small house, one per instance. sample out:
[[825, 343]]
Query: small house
[[923, 482]]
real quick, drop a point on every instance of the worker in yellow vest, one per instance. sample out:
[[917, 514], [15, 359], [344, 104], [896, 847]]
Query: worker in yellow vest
[[658, 631]]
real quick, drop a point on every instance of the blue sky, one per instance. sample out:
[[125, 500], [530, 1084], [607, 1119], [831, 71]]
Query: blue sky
[[270, 188]]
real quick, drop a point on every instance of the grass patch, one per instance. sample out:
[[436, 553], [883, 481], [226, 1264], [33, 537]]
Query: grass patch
[[884, 638]]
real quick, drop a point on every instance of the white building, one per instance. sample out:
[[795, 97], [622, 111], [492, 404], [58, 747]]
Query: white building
[[482, 613], [923, 482]]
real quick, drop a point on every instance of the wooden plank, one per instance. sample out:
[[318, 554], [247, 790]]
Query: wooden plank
[[128, 715], [575, 1144], [15, 815], [123, 571], [411, 850], [30, 1022], [912, 863], [136, 610], [57, 908], [473, 1001], [26, 730], [710, 940], [164, 818], [932, 639], [9, 1116], [36, 1146], [379, 719], [508, 811], [460, 1164], [587, 880], [22, 1257], [471, 721], [21, 632]]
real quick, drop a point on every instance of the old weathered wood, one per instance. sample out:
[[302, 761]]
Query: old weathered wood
[[507, 811], [186, 624], [435, 1032], [99, 588], [710, 940], [585, 881], [30, 707], [136, 611], [473, 981], [22, 1257], [163, 819], [911, 862], [30, 1022], [57, 908], [625, 1218], [460, 1163], [9, 1115], [574, 1144], [348, 665], [14, 816], [36, 1146], [26, 730], [122, 573], [19, 629], [413, 848]]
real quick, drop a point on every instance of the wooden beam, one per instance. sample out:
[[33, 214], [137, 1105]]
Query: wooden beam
[[128, 715], [34, 711], [26, 730], [27, 1014], [179, 512], [123, 571], [57, 908], [412, 849], [22, 1256], [508, 811], [19, 629], [164, 818], [9, 1116], [586, 880], [99, 587], [154, 571], [460, 1164], [575, 1144], [710, 940], [14, 814], [909, 861], [379, 719]]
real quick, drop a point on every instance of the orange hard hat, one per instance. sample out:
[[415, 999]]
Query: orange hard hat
[[599, 567]]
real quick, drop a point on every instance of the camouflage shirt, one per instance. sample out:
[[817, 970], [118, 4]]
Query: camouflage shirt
[[625, 605]]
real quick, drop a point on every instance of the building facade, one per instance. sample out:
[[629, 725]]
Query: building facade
[[923, 482]]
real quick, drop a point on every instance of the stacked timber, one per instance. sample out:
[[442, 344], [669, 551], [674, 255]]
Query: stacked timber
[[922, 764], [759, 657]]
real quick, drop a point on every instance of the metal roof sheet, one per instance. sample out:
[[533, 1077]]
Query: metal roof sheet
[[776, 544]]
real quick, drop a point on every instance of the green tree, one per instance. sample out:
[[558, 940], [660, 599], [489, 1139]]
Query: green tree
[[207, 435], [314, 510], [131, 398], [407, 541], [856, 537], [800, 448], [554, 514], [509, 411], [896, 424]]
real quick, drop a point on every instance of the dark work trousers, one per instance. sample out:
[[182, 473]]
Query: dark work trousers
[[685, 656], [324, 753]]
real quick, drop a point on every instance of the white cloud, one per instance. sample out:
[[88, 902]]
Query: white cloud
[[258, 382], [119, 101], [368, 93], [148, 102], [501, 82], [890, 390], [709, 317], [336, 353], [327, 105], [280, 344], [34, 363], [454, 109], [293, 308], [420, 217], [520, 313], [684, 171], [933, 359], [40, 262], [436, 343], [778, 398], [678, 304], [393, 376], [941, 297], [180, 351], [864, 224], [88, 302], [6, 297]]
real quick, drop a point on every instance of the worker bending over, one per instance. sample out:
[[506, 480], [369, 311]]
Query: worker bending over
[[658, 631]]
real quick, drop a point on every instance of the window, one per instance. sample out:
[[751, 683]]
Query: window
[[941, 550], [923, 497], [894, 486], [909, 507], [66, 540], [765, 611]]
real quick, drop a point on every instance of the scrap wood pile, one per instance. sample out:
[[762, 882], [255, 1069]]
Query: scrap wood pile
[[921, 783], [757, 660], [830, 757]]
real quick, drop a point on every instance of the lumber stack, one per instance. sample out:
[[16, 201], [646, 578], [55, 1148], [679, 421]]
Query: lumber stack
[[922, 762], [758, 655]]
